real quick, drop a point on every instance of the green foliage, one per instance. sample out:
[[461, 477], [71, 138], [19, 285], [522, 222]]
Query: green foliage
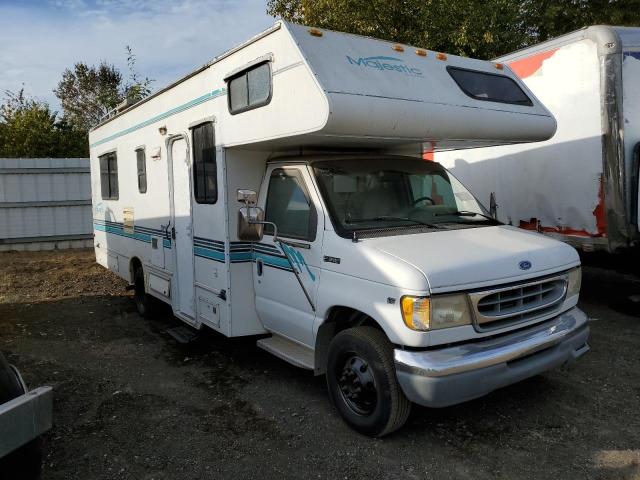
[[28, 128], [478, 28], [88, 93]]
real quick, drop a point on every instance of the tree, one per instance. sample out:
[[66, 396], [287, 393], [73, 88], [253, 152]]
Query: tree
[[88, 93], [28, 128], [478, 28]]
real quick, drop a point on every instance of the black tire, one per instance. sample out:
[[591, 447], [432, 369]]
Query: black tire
[[10, 386], [24, 463], [362, 382], [146, 305]]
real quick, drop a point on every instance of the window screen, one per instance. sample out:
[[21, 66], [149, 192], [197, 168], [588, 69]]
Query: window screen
[[489, 86], [109, 176], [142, 170], [250, 88], [204, 164], [289, 207]]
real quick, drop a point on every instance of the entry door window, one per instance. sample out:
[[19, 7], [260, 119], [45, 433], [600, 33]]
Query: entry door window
[[289, 207]]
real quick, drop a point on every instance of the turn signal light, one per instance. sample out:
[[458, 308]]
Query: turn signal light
[[415, 312]]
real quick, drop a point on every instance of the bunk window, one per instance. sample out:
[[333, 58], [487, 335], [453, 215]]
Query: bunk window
[[142, 170], [489, 87], [204, 164], [250, 88], [109, 176]]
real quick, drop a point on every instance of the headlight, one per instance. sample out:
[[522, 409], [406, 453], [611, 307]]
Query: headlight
[[449, 311], [437, 312], [574, 282]]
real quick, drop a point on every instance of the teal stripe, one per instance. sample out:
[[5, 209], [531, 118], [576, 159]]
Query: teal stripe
[[241, 256], [181, 108], [119, 231], [271, 260], [207, 253]]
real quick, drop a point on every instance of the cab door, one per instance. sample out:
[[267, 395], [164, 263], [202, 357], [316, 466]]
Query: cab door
[[287, 274]]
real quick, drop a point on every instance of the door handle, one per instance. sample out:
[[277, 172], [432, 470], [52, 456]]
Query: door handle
[[173, 232], [259, 267]]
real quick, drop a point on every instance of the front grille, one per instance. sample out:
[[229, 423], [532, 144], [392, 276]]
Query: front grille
[[518, 303]]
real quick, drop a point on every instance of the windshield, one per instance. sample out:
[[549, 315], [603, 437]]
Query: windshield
[[391, 192]]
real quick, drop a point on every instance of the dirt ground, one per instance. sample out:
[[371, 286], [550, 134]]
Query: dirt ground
[[132, 403]]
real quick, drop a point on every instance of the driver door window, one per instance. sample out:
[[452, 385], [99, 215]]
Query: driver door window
[[289, 207]]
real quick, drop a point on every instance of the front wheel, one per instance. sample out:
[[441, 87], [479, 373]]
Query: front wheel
[[362, 382]]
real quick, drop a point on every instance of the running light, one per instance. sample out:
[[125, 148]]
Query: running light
[[415, 312]]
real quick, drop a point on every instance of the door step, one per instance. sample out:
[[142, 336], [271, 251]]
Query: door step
[[288, 350], [183, 334]]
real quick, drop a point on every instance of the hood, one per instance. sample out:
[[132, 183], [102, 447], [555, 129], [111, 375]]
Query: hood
[[476, 257]]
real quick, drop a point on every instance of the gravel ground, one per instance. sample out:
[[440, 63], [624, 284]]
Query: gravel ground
[[132, 403]]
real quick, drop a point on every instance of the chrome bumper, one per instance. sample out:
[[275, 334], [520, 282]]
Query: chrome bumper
[[439, 378], [24, 418]]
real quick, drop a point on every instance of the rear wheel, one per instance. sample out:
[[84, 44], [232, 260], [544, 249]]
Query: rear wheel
[[25, 462], [362, 382], [145, 303]]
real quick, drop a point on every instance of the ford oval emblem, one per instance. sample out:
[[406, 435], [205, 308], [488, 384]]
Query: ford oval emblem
[[524, 265]]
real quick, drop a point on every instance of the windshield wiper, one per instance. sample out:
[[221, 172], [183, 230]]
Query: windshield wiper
[[389, 217], [465, 213]]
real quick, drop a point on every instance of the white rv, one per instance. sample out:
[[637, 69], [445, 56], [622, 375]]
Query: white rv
[[279, 191], [580, 186]]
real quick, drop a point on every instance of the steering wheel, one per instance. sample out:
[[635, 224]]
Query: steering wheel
[[422, 199]]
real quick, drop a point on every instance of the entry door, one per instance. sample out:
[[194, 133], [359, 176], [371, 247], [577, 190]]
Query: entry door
[[293, 206], [182, 232]]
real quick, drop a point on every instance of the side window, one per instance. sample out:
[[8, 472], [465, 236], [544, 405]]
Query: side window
[[142, 170], [109, 176], [289, 207], [204, 164], [250, 88], [490, 87]]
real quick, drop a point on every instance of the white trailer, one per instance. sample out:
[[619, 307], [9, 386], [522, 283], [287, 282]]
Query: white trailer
[[266, 194], [580, 186]]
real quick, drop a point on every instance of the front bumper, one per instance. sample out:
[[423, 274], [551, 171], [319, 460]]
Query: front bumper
[[439, 378]]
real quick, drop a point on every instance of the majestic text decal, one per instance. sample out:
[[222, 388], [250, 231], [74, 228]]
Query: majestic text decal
[[385, 63]]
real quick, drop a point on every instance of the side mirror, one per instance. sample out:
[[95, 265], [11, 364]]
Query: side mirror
[[250, 226]]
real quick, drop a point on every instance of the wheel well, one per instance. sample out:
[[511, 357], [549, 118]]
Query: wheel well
[[339, 318], [134, 263]]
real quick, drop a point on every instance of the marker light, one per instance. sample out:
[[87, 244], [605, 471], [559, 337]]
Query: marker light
[[398, 48], [315, 32], [499, 66], [421, 53], [441, 56], [415, 312]]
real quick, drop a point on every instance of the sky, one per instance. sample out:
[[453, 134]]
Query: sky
[[170, 38]]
